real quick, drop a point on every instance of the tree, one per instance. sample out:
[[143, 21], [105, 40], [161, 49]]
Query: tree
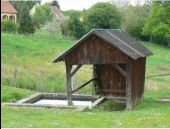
[[157, 25], [134, 18], [18, 5], [42, 15], [102, 15], [25, 21], [76, 27], [73, 26]]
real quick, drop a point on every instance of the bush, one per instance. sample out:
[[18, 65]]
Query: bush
[[9, 26]]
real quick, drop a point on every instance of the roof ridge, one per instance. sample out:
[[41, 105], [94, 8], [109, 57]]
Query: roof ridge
[[124, 43]]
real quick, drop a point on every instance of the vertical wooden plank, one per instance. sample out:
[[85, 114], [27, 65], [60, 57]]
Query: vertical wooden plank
[[68, 77], [129, 104]]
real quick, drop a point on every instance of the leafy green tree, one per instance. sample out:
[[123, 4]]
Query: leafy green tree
[[157, 25], [73, 27], [42, 15], [25, 21], [19, 3], [134, 18], [102, 15]]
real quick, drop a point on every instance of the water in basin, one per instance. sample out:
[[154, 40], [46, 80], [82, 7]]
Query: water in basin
[[64, 102]]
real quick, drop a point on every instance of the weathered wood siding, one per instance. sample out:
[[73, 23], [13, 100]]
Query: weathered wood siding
[[111, 81], [95, 51], [138, 78]]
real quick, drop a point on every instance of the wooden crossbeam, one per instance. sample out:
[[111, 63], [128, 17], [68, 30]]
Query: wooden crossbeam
[[118, 68], [113, 91], [76, 69], [83, 85]]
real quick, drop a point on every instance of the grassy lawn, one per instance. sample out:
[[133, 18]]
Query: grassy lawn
[[12, 94], [33, 54]]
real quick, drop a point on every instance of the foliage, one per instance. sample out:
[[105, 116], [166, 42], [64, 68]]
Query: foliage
[[18, 5], [73, 26], [25, 21], [9, 26], [157, 25], [134, 18], [12, 94], [102, 15], [42, 15], [72, 13]]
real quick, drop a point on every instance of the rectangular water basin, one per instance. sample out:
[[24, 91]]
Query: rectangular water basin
[[59, 100]]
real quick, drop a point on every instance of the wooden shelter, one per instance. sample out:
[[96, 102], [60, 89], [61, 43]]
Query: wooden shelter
[[118, 64]]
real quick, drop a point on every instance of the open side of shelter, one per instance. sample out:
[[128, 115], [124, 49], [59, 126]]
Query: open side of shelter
[[118, 64]]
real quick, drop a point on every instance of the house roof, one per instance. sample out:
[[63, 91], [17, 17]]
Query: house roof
[[7, 7], [117, 38]]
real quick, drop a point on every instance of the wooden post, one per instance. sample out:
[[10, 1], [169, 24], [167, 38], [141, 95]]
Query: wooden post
[[68, 77], [15, 77], [129, 104], [41, 81]]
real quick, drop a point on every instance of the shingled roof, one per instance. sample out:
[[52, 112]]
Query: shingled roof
[[7, 7], [116, 37]]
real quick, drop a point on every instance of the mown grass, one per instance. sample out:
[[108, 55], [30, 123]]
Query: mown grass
[[32, 54]]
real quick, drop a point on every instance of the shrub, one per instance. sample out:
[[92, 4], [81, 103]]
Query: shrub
[[9, 26]]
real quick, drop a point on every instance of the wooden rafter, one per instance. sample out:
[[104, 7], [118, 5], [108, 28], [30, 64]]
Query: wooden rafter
[[83, 85], [118, 68]]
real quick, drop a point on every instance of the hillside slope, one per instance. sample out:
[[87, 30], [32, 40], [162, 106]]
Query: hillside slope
[[33, 54]]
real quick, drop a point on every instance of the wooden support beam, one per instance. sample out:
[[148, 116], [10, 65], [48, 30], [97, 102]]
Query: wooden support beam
[[68, 77], [83, 85], [118, 68], [113, 91], [76, 69], [129, 104]]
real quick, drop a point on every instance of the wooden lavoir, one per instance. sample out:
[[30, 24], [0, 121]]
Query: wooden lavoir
[[118, 64]]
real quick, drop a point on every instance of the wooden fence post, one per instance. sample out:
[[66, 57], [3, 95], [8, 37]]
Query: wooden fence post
[[41, 81], [15, 77]]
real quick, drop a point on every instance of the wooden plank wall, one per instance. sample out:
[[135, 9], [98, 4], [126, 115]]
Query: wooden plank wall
[[95, 51], [138, 78], [112, 82]]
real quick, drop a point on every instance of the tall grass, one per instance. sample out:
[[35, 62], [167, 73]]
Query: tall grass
[[32, 54]]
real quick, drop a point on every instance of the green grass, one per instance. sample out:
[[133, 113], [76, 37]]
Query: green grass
[[32, 54], [149, 114], [12, 94]]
